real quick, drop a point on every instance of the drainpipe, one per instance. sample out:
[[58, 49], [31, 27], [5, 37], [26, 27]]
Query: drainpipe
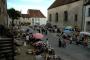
[[83, 16]]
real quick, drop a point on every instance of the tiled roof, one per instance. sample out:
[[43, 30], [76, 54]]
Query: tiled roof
[[61, 2], [35, 13]]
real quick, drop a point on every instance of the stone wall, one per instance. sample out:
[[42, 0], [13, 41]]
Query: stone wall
[[72, 9], [3, 12]]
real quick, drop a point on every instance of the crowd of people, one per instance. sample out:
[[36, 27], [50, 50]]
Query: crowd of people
[[63, 40], [75, 38]]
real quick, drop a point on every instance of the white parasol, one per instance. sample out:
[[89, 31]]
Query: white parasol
[[85, 33]]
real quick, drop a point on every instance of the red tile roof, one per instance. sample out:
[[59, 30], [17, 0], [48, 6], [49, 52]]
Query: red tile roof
[[61, 2], [35, 13]]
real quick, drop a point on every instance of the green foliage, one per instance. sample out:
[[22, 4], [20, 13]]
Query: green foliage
[[13, 14]]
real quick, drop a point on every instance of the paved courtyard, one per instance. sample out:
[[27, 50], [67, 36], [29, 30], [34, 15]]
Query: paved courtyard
[[23, 55], [71, 52]]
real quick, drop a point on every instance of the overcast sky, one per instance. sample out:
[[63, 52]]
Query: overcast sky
[[23, 5]]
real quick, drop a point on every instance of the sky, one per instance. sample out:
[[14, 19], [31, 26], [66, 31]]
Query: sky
[[24, 5]]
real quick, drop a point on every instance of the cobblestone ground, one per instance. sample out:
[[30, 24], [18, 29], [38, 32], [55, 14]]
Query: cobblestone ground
[[71, 52], [23, 55]]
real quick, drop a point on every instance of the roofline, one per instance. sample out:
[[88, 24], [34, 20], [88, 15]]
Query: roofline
[[37, 10], [60, 5]]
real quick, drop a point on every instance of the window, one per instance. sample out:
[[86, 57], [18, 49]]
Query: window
[[75, 18], [3, 1], [65, 16], [33, 21], [88, 23], [56, 20], [0, 11], [50, 17], [88, 11], [87, 1]]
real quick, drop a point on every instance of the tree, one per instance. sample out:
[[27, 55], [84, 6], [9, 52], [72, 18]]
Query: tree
[[13, 14]]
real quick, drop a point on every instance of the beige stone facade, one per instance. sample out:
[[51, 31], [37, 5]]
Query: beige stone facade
[[74, 14], [3, 12], [87, 18], [33, 21]]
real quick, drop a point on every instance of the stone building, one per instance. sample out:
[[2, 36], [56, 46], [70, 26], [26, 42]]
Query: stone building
[[3, 12], [34, 17], [25, 19], [66, 13], [87, 15]]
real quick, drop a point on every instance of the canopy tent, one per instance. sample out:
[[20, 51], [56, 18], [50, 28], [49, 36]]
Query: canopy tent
[[85, 33], [68, 27], [67, 31], [38, 36]]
